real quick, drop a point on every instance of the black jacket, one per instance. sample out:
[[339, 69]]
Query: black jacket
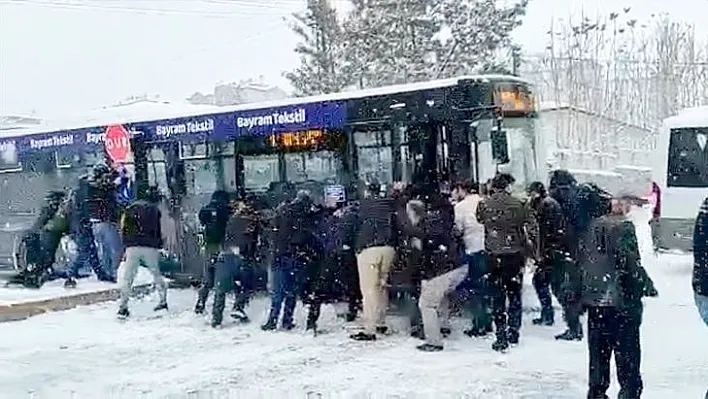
[[700, 251], [294, 228], [140, 225], [509, 224], [439, 247], [551, 225], [376, 223], [610, 266], [102, 203], [214, 217], [243, 231]]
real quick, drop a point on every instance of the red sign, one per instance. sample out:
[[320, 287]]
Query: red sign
[[117, 143]]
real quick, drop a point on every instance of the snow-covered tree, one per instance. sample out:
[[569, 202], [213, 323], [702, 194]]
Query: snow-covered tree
[[480, 36], [321, 51], [393, 41]]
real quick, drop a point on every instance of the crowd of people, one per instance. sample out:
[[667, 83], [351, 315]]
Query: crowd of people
[[469, 246], [476, 240]]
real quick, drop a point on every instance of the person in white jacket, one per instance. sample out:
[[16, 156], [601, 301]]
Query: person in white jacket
[[468, 199]]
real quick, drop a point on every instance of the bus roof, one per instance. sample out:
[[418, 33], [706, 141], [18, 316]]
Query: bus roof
[[163, 114], [689, 117]]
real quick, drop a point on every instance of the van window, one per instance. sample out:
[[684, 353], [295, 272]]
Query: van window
[[688, 158]]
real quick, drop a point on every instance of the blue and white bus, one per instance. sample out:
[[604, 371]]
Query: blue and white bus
[[466, 127]]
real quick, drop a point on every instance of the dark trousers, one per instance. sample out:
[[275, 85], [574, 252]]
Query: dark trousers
[[612, 330], [286, 285], [211, 255], [479, 295], [334, 278], [506, 282], [234, 274]]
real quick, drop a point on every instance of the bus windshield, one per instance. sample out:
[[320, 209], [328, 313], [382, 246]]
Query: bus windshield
[[688, 158]]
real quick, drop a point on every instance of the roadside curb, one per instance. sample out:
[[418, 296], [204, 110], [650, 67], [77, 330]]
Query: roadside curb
[[25, 310]]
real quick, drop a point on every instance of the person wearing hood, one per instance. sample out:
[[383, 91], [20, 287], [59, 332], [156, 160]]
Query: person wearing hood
[[294, 245], [510, 228], [213, 217], [551, 249], [700, 261], [613, 285]]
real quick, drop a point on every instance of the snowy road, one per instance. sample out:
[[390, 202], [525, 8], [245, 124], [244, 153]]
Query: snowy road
[[87, 353]]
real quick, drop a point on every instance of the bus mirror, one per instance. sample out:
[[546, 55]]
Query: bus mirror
[[500, 147]]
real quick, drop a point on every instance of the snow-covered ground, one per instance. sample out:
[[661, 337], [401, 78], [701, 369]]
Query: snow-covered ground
[[55, 289], [87, 353]]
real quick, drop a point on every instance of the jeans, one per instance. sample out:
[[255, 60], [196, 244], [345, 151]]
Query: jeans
[[702, 304], [479, 290], [287, 275], [109, 246], [86, 255]]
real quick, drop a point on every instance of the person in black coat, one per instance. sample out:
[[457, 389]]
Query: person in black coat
[[440, 269], [82, 234], [375, 247], [329, 277], [294, 247], [551, 250], [700, 262], [613, 285], [213, 217]]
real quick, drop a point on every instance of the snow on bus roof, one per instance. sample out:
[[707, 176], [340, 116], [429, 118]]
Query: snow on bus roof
[[689, 117], [190, 110]]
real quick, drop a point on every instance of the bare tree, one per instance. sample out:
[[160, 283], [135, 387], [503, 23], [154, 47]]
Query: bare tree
[[616, 67]]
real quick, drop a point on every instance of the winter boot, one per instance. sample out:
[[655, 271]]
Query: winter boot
[[270, 325], [417, 332], [160, 306], [546, 319], [445, 332], [512, 337], [199, 307], [70, 283], [429, 348], [123, 313], [362, 336], [502, 342], [240, 316], [571, 335]]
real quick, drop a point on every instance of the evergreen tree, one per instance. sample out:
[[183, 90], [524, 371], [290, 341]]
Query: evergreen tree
[[321, 51], [480, 39], [392, 41]]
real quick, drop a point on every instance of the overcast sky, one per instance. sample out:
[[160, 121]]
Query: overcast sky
[[57, 58]]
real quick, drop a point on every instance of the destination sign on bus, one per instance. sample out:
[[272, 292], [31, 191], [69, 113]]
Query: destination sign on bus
[[511, 100], [294, 140]]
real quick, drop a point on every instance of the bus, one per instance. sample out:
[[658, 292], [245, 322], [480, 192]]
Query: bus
[[468, 127], [682, 173]]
